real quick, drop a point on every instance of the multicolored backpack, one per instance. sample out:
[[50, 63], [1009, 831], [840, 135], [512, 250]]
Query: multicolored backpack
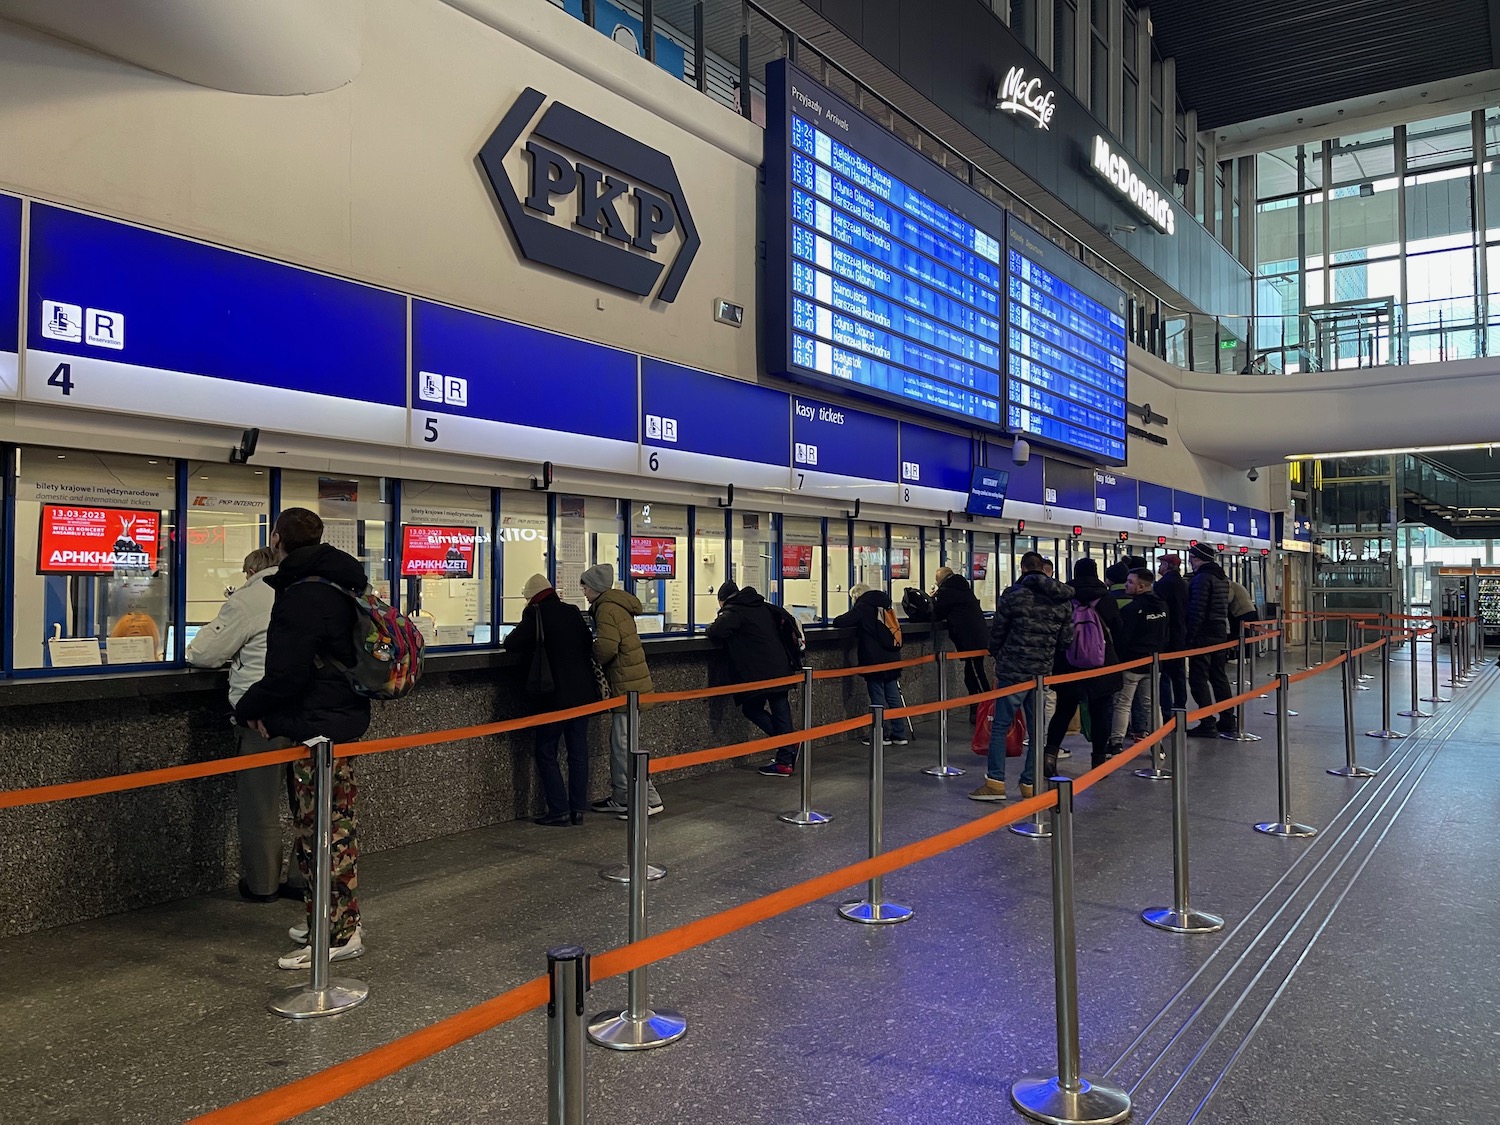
[[387, 646]]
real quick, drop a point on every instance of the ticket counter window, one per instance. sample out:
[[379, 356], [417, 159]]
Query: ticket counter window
[[657, 564], [711, 563], [228, 516], [802, 558], [356, 515], [955, 554], [93, 558], [869, 556], [840, 560], [989, 569], [445, 561], [752, 550], [906, 559], [590, 530]]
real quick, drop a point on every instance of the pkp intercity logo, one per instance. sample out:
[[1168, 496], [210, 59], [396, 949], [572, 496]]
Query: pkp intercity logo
[[598, 203]]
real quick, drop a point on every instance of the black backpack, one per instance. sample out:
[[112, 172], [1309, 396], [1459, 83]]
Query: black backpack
[[790, 634], [916, 605]]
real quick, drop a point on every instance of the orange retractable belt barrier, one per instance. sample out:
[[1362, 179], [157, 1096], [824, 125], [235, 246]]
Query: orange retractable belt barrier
[[723, 689], [1229, 704], [43, 794], [483, 730], [755, 746], [866, 669]]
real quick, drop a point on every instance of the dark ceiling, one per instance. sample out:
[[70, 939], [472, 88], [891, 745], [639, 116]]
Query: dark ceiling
[[1244, 61]]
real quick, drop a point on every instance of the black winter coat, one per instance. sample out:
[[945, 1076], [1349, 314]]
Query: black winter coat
[[1144, 625], [1090, 591], [302, 695], [1208, 606], [570, 651], [747, 629], [1171, 589], [875, 644], [956, 604], [1033, 624]]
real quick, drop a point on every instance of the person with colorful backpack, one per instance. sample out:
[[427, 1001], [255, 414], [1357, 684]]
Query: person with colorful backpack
[[1096, 620], [308, 692], [878, 641]]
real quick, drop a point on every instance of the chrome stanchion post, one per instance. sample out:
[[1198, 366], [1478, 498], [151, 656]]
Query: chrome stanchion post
[[323, 995], [1253, 649], [1432, 647], [1158, 770], [1067, 1097], [805, 814], [1180, 918], [1358, 625], [568, 980], [1350, 768], [637, 1027], [1415, 711], [873, 910], [1240, 733], [1280, 659], [1322, 638], [1306, 643], [624, 872], [1385, 730], [942, 769], [1284, 826], [1039, 826]]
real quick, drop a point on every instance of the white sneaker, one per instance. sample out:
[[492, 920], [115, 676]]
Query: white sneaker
[[302, 958], [1064, 752], [651, 810]]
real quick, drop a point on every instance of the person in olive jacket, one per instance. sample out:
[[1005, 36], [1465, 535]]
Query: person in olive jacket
[[1144, 623], [953, 602], [1096, 692], [1208, 624], [1172, 590], [876, 645], [569, 646], [748, 629], [617, 648]]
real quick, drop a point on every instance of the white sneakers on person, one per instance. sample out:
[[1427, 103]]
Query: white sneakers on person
[[302, 958]]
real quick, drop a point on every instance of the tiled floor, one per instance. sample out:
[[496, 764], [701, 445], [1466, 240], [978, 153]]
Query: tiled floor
[[1353, 983]]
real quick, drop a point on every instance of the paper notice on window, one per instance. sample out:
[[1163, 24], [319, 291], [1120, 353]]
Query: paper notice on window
[[130, 650], [452, 634], [78, 652]]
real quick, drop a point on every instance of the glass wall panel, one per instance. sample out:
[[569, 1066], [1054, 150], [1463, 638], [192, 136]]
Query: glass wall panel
[[445, 560], [1099, 77], [905, 560], [711, 560], [802, 561], [356, 514], [840, 567], [228, 516], [955, 552], [657, 566], [753, 551], [988, 568], [1440, 142], [590, 530], [1363, 158], [869, 556], [525, 549], [1064, 41]]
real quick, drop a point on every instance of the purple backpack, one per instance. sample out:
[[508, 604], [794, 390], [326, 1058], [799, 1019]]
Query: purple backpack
[[1087, 647]]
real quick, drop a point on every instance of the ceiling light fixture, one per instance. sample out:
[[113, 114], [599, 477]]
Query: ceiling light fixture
[[1388, 452]]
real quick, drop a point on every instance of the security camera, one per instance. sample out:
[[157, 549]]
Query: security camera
[[1020, 452], [1253, 474]]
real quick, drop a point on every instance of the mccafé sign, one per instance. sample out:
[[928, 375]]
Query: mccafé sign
[[1144, 199], [1025, 96]]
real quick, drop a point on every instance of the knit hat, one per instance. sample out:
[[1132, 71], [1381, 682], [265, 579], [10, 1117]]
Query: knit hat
[[727, 591], [1134, 562], [1203, 552], [1085, 568], [1173, 561], [534, 586], [1115, 572], [599, 578], [858, 590]]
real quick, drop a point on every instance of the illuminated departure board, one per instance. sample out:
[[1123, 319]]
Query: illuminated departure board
[[884, 273], [1065, 332]]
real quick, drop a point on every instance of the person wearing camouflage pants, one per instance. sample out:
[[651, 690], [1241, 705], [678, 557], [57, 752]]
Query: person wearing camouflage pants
[[344, 887]]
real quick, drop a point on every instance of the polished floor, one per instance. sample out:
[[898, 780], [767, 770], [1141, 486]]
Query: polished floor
[[1354, 982]]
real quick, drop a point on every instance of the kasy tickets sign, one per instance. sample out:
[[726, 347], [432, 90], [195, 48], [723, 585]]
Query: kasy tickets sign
[[437, 552], [85, 540]]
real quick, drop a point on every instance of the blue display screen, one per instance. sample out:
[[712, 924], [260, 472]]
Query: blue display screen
[[1065, 328], [702, 413], [10, 272], [1156, 499], [520, 375], [987, 489], [1115, 495], [177, 305], [891, 268], [828, 438]]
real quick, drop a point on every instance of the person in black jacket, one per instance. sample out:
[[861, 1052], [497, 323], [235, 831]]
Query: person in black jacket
[[1143, 632], [569, 645], [1097, 692], [1172, 590], [303, 695], [1208, 624], [954, 603], [876, 645], [748, 628]]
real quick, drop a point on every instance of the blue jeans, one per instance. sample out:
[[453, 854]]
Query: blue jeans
[[1005, 712], [887, 694], [1173, 687], [773, 715]]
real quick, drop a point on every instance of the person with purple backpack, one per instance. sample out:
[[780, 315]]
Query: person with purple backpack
[[1096, 619]]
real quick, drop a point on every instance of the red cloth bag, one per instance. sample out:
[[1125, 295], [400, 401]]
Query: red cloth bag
[[1015, 738]]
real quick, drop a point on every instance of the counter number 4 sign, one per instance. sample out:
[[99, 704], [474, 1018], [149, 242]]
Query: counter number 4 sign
[[74, 324]]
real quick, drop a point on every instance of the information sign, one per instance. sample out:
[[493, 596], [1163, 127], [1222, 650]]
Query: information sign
[[10, 292], [1260, 524], [987, 491], [1068, 486], [935, 467], [1116, 495], [707, 428], [1187, 512], [437, 552], [1154, 503], [842, 452], [1215, 516], [85, 540]]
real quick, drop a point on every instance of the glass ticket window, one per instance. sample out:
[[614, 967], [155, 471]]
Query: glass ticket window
[[869, 556], [711, 563], [445, 561], [658, 566], [989, 569], [590, 531], [802, 561], [753, 550], [93, 558], [905, 559], [932, 556], [356, 515], [840, 568], [228, 516], [523, 549]]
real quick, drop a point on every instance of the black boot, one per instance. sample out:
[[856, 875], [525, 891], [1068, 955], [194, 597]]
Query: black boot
[[973, 714], [1206, 729]]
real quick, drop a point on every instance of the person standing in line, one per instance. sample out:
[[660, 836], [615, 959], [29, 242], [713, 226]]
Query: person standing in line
[[876, 644], [1032, 627], [618, 649], [954, 603], [1241, 609], [1141, 721], [1208, 624], [749, 630], [569, 647], [1096, 692], [1143, 632], [1172, 590], [304, 695], [237, 637]]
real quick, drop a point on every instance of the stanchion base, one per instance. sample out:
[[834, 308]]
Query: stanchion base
[[616, 1031], [944, 771], [1361, 687], [1353, 771], [875, 913], [1239, 736], [1032, 830], [1289, 712], [1415, 714], [1093, 1103], [1154, 774], [1435, 699], [1277, 828], [305, 1003], [803, 819], [620, 873], [1182, 921], [1391, 734]]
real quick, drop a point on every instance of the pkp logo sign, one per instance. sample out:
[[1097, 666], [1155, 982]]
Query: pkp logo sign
[[617, 221]]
